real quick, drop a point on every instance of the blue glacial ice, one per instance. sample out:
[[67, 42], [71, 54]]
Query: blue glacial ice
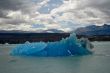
[[66, 47]]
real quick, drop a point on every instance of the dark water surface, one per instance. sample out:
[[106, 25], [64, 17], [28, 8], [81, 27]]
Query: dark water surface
[[99, 62]]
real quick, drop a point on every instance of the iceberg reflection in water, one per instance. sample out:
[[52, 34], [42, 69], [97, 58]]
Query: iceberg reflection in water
[[66, 47]]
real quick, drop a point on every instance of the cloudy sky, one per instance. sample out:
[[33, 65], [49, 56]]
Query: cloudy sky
[[34, 15]]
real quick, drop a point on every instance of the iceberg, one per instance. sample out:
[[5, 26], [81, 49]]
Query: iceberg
[[66, 47]]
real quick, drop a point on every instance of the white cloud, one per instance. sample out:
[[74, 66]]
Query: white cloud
[[44, 2], [82, 11]]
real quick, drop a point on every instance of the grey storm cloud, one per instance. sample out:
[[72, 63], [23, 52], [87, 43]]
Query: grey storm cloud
[[25, 6], [3, 13], [10, 4], [6, 5], [13, 21], [102, 5], [14, 5]]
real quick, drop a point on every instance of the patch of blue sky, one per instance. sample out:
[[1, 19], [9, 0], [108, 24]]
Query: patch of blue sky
[[51, 5], [38, 26], [69, 23], [36, 1]]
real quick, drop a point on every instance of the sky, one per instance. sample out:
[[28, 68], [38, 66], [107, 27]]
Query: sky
[[35, 15]]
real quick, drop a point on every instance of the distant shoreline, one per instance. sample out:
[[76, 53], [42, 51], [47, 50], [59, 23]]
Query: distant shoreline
[[96, 38], [31, 37], [14, 38]]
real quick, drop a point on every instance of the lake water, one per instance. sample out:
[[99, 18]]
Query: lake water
[[99, 62]]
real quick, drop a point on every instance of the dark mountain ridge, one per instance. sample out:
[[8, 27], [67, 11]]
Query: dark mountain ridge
[[39, 31], [94, 30]]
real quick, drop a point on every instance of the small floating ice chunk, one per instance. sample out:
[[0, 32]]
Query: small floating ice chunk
[[6, 44]]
